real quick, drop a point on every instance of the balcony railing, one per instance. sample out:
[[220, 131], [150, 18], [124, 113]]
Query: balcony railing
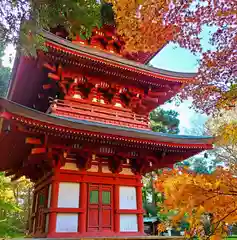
[[97, 112]]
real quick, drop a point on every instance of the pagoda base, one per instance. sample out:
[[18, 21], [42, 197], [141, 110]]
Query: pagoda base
[[116, 238], [69, 202], [97, 235], [89, 235]]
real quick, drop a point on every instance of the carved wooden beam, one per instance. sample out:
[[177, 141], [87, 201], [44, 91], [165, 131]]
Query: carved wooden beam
[[47, 86], [62, 85], [35, 172], [30, 140], [167, 160], [34, 159], [115, 163], [38, 150], [53, 76], [1, 123], [56, 157], [146, 163], [156, 94], [138, 165], [49, 67], [83, 159], [60, 70]]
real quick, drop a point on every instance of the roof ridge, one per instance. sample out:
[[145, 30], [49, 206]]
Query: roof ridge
[[117, 59]]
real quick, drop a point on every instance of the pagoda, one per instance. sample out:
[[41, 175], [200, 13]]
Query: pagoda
[[76, 122]]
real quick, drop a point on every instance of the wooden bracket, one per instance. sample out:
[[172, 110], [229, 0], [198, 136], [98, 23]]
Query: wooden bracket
[[38, 150], [84, 159], [54, 76], [31, 140], [115, 163], [49, 67], [47, 86]]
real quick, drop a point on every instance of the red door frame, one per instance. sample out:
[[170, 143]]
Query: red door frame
[[103, 209]]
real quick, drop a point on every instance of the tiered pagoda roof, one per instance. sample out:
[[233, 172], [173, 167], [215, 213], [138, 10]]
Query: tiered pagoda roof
[[76, 123], [24, 131], [32, 127], [98, 63]]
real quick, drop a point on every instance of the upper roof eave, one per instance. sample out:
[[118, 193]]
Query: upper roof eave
[[113, 59], [106, 129]]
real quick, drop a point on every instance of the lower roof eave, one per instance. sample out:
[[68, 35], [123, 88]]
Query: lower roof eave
[[73, 126]]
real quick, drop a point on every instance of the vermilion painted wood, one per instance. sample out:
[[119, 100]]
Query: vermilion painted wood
[[95, 234], [130, 211], [100, 216], [65, 210], [140, 208], [107, 209], [108, 217], [33, 141], [93, 216], [48, 126], [100, 115], [99, 179], [116, 208], [54, 204], [94, 219], [146, 73], [106, 33], [39, 213], [83, 205], [49, 143]]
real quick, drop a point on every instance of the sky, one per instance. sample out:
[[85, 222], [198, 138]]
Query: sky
[[174, 58], [171, 58], [180, 60], [9, 56]]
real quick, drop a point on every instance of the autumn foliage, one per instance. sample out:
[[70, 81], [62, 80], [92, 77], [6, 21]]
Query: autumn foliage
[[147, 25], [224, 127], [199, 198]]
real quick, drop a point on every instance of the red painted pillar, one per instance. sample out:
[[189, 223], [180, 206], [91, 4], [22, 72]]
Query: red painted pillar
[[83, 205], [53, 205], [140, 208], [116, 208]]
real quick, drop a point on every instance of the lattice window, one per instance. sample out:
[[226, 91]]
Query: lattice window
[[106, 197], [94, 196]]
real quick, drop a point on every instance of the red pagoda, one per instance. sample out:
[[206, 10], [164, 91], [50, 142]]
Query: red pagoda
[[76, 122]]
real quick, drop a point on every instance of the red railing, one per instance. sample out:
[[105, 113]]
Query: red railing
[[97, 112]]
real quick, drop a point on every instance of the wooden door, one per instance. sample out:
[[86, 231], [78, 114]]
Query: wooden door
[[106, 208], [100, 207], [41, 204]]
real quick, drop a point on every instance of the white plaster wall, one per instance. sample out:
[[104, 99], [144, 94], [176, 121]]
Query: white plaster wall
[[69, 195], [127, 198], [105, 169], [127, 171], [70, 166], [67, 222], [94, 168], [128, 223]]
